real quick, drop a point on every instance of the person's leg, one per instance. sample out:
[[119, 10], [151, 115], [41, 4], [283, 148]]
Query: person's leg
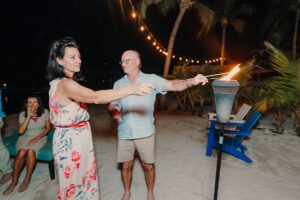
[[146, 150], [126, 150], [5, 164], [126, 178], [18, 165], [6, 177], [30, 165], [149, 176]]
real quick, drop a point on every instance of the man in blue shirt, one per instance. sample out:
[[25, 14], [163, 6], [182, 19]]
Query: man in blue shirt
[[136, 121]]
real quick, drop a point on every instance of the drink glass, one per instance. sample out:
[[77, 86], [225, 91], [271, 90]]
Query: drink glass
[[117, 115]]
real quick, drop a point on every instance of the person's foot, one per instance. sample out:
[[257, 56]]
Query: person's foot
[[150, 196], [23, 186], [6, 177], [126, 196], [9, 190]]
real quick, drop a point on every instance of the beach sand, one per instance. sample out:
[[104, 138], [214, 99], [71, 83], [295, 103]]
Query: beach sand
[[183, 172]]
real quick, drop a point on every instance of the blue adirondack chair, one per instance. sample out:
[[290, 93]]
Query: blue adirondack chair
[[232, 145]]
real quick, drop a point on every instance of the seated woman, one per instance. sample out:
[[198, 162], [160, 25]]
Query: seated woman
[[34, 124]]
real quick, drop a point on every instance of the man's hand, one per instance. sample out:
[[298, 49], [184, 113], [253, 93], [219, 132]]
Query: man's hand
[[198, 79], [116, 113]]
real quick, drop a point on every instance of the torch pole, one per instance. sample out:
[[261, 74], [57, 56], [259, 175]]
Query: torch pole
[[221, 138]]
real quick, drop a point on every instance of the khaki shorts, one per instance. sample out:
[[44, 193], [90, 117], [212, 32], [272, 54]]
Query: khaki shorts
[[144, 146]]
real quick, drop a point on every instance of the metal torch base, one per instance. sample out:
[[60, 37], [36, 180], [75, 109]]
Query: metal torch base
[[218, 168]]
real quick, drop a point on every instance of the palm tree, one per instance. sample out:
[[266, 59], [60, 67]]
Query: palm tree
[[297, 9], [227, 13], [164, 6], [184, 5], [279, 93]]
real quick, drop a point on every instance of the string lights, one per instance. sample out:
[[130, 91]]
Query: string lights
[[158, 46]]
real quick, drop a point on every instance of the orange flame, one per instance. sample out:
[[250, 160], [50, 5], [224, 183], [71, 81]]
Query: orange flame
[[235, 70]]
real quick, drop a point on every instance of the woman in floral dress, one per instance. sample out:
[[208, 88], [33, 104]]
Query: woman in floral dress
[[72, 142]]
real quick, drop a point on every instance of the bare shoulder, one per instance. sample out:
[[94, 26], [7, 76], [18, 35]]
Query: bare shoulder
[[67, 81], [64, 88], [71, 90], [67, 84]]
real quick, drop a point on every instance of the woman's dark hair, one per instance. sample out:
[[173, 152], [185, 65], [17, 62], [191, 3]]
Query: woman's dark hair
[[40, 109], [57, 51]]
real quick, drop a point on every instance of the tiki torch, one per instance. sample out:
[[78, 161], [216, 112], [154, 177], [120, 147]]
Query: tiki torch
[[224, 93]]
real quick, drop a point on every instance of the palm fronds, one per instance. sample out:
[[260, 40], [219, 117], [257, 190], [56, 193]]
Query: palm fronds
[[279, 93]]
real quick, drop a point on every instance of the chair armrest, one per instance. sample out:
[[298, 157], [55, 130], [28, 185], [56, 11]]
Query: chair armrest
[[216, 126], [50, 134], [236, 121], [213, 116]]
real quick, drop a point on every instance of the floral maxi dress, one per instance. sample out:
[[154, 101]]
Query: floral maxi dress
[[73, 150]]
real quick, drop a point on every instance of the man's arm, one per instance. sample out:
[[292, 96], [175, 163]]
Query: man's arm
[[179, 85]]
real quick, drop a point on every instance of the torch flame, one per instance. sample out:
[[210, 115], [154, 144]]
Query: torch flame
[[235, 70]]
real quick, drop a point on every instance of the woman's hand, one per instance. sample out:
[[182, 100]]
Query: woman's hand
[[31, 111], [34, 140], [142, 89]]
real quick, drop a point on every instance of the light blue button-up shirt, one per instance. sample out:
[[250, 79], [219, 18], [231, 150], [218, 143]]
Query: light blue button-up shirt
[[137, 111]]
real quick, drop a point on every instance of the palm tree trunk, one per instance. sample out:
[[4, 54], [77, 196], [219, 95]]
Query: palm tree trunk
[[172, 40], [224, 26], [279, 120], [295, 33]]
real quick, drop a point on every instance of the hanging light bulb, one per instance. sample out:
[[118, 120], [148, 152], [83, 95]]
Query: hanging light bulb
[[133, 15]]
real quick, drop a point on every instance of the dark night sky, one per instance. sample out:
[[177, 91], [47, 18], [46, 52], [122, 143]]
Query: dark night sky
[[97, 25], [29, 27]]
